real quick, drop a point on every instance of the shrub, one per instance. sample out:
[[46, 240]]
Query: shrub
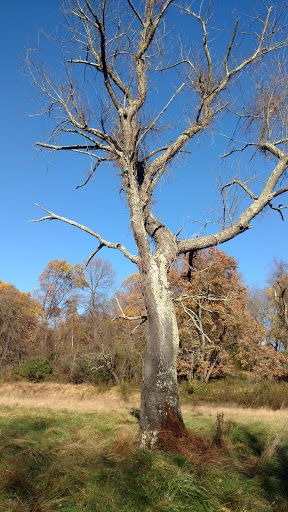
[[86, 371], [34, 369]]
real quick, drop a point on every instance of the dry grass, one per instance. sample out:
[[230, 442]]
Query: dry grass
[[87, 398], [237, 414], [68, 397]]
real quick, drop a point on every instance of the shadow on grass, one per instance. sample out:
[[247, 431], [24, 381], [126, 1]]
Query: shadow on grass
[[273, 475], [45, 467]]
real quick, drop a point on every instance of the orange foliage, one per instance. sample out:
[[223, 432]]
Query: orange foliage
[[216, 330], [211, 313], [215, 327], [57, 281], [19, 316], [263, 361], [131, 298]]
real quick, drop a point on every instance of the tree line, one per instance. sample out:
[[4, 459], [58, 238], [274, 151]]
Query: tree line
[[77, 327]]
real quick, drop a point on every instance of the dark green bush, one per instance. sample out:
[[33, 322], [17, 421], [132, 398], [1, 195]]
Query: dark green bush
[[34, 369], [86, 371]]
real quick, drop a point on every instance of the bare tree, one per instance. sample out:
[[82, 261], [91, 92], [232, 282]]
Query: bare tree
[[100, 277], [119, 49]]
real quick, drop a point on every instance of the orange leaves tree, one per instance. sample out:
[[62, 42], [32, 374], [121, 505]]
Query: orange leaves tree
[[19, 316], [57, 293], [265, 362], [211, 301], [57, 282], [216, 329]]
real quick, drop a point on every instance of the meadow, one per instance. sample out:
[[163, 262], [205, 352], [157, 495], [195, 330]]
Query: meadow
[[74, 449]]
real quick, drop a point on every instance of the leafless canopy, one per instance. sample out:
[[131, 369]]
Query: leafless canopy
[[113, 52]]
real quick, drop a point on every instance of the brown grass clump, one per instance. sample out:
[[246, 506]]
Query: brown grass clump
[[175, 438], [125, 441]]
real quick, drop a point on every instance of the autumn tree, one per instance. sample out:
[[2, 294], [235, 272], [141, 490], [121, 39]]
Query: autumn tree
[[117, 55], [19, 317], [210, 300], [258, 305], [264, 362], [57, 292], [277, 294], [57, 281], [129, 300]]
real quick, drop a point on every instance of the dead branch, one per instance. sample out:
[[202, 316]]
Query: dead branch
[[243, 185], [143, 318], [278, 209], [120, 247], [91, 173], [94, 254]]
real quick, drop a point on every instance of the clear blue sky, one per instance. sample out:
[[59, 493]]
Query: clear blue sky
[[26, 179]]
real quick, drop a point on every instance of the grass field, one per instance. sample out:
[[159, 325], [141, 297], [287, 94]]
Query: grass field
[[73, 449]]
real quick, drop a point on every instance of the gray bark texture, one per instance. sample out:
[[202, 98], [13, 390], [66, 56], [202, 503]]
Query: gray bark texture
[[119, 48], [159, 395]]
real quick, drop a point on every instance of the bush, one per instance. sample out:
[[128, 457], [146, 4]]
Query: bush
[[86, 371], [35, 369]]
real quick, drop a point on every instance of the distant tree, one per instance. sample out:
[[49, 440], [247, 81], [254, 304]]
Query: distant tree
[[100, 277], [258, 305], [264, 362], [57, 293], [211, 308], [19, 317], [57, 282], [69, 329], [130, 298], [117, 56], [94, 299], [278, 301]]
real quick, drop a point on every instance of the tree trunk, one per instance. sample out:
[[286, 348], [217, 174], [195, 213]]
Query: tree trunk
[[160, 405]]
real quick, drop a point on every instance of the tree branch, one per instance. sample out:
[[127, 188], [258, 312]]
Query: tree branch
[[110, 245], [78, 148], [278, 209], [136, 12], [140, 317], [243, 185], [160, 114], [243, 221], [93, 254], [91, 173]]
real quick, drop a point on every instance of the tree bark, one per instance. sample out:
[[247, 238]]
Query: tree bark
[[159, 398]]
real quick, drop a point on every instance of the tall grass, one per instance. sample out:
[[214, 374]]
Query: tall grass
[[237, 391], [79, 462]]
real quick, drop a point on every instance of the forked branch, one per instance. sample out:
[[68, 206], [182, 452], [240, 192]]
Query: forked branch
[[110, 245], [243, 185]]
